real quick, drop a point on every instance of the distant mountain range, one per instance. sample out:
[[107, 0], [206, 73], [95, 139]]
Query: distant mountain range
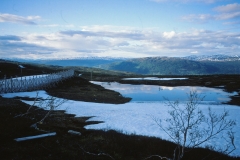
[[81, 61], [218, 58], [190, 65]]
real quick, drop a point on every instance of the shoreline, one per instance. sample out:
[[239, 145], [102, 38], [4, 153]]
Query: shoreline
[[118, 145]]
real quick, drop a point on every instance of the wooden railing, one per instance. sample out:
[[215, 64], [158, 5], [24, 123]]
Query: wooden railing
[[30, 83]]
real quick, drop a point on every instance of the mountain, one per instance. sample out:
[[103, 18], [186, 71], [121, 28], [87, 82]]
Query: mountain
[[177, 66], [84, 61], [190, 65], [218, 57]]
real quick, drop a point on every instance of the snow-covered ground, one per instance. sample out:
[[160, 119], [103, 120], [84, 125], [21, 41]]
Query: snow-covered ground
[[135, 117]]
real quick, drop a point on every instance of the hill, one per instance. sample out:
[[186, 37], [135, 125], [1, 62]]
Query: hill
[[14, 68], [175, 66], [190, 65], [217, 57], [82, 61]]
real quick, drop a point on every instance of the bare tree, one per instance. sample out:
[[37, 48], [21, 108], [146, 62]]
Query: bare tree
[[189, 127], [30, 107], [50, 104]]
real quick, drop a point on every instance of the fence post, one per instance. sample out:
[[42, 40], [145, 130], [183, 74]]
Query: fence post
[[21, 83], [5, 82], [11, 84]]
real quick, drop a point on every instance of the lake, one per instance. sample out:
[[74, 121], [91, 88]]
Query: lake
[[136, 117], [163, 93]]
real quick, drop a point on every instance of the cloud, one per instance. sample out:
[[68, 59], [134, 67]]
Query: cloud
[[57, 25], [187, 1], [103, 33], [119, 43], [225, 12], [29, 20], [228, 8], [204, 18], [194, 52], [232, 23], [226, 16], [198, 18], [18, 47], [168, 34], [10, 38]]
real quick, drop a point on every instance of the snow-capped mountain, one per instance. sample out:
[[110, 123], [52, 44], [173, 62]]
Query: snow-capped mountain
[[218, 57], [190, 65]]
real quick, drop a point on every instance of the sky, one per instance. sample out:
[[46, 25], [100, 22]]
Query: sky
[[59, 29]]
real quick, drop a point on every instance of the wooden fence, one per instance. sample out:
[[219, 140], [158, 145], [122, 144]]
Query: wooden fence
[[30, 83]]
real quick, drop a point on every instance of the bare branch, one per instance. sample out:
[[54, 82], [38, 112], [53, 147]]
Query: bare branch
[[96, 154], [185, 126], [28, 111], [50, 104], [157, 157]]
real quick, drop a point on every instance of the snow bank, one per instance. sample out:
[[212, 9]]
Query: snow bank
[[134, 117]]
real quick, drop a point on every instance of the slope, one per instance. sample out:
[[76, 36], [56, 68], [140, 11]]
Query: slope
[[174, 66]]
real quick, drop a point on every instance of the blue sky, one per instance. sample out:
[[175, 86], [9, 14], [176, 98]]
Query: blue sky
[[118, 28]]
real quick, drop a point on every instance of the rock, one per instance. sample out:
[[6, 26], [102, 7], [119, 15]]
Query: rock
[[74, 132], [208, 83]]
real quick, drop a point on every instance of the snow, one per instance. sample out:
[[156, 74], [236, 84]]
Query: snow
[[134, 117], [154, 78]]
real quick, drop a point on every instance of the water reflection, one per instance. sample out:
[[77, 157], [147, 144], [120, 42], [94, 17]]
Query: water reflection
[[161, 93]]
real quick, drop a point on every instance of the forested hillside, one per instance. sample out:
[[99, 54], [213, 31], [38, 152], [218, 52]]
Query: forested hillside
[[174, 66]]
